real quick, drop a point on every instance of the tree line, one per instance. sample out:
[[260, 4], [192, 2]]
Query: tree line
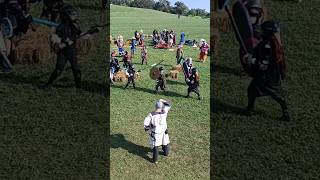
[[178, 8]]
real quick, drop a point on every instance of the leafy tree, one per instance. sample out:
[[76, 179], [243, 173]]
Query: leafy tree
[[121, 2], [162, 5], [148, 4], [180, 8]]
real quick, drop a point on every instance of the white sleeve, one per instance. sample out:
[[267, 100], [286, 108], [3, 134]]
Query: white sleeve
[[147, 121], [167, 106]]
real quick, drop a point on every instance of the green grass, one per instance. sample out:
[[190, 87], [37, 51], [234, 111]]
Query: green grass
[[260, 147], [60, 133], [188, 120]]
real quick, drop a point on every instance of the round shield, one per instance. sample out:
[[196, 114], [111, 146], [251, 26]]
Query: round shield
[[154, 73]]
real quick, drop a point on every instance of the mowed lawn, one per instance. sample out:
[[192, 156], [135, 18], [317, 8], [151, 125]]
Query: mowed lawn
[[261, 147], [188, 120], [60, 133]]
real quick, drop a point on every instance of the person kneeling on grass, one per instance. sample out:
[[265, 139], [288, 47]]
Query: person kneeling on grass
[[156, 126]]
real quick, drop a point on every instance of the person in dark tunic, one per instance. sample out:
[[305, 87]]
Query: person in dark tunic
[[131, 75], [68, 30], [267, 71], [161, 81], [193, 83], [126, 59]]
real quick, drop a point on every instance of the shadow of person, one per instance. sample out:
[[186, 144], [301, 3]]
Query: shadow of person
[[151, 91], [218, 106], [15, 78], [119, 141], [95, 87], [174, 82], [228, 70]]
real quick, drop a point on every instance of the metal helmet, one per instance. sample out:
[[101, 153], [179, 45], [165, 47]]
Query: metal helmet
[[68, 12], [158, 105]]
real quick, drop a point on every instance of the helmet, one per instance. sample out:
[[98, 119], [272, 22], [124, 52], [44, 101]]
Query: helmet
[[194, 70], [158, 105], [254, 7], [68, 12]]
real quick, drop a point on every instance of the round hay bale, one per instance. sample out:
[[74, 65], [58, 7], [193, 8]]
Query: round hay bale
[[120, 76], [34, 46], [85, 44]]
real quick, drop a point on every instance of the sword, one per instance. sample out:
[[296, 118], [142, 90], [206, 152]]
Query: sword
[[153, 65]]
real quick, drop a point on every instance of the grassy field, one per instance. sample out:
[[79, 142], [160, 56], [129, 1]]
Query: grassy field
[[188, 120], [62, 133], [261, 147]]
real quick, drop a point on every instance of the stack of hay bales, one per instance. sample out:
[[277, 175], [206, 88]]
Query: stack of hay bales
[[34, 46]]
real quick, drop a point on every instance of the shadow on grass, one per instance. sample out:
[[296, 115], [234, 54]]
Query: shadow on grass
[[150, 91], [89, 86], [119, 141], [20, 79], [173, 82], [95, 87], [228, 70], [218, 106]]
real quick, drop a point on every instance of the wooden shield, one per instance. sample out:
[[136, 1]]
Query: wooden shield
[[154, 73], [241, 17]]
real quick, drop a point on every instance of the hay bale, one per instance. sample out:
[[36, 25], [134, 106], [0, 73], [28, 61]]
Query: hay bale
[[177, 68], [34, 46], [85, 44], [174, 74], [120, 76]]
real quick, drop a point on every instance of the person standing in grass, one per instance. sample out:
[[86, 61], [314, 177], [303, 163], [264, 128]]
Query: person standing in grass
[[69, 31], [193, 83], [179, 54], [204, 48], [144, 55], [126, 59], [131, 74], [133, 46], [161, 81], [268, 68], [156, 126], [182, 38]]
